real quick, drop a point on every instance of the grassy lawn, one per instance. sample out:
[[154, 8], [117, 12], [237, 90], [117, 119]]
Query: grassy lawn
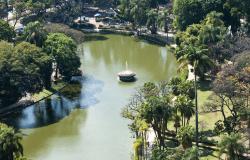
[[207, 120], [38, 96], [45, 93], [203, 97]]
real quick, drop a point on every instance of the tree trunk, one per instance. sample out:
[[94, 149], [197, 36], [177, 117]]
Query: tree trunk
[[248, 131], [196, 112], [56, 74]]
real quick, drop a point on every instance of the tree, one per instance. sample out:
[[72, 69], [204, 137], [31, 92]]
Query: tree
[[177, 124], [152, 20], [3, 8], [63, 51], [213, 29], [190, 153], [139, 9], [197, 57], [186, 108], [151, 104], [125, 10], [165, 20], [6, 32], [137, 148], [35, 33], [232, 146], [157, 112], [39, 61], [10, 146], [185, 136], [231, 93], [38, 7], [208, 33], [20, 7], [167, 153], [20, 71], [182, 87], [188, 12]]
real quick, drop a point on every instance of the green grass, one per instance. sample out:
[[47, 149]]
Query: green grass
[[38, 96], [45, 93], [207, 120], [203, 97], [59, 85]]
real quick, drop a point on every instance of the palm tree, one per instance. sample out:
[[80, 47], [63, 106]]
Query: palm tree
[[185, 136], [10, 145], [186, 108], [165, 20], [232, 146], [198, 58], [35, 33], [152, 20]]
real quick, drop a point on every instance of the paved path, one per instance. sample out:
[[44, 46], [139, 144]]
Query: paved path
[[190, 73], [96, 24], [151, 136]]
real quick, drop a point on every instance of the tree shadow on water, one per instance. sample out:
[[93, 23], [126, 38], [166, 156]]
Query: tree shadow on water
[[55, 108], [93, 37], [150, 41]]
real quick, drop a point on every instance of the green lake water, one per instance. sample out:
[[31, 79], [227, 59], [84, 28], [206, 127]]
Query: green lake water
[[89, 126]]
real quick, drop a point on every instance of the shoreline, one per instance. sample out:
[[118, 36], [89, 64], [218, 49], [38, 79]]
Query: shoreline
[[153, 38], [157, 39], [26, 103]]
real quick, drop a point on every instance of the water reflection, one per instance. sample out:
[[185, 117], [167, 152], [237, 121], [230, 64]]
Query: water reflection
[[94, 37], [53, 109], [79, 133], [141, 57]]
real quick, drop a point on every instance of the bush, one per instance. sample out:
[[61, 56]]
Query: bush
[[184, 73]]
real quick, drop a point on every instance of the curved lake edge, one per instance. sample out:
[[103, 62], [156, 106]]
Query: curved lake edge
[[16, 107], [148, 38], [95, 117], [156, 39]]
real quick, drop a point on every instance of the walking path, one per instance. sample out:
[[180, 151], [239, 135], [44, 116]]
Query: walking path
[[96, 24], [151, 137], [190, 73]]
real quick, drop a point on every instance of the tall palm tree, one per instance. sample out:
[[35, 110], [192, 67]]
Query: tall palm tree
[[232, 146], [198, 58]]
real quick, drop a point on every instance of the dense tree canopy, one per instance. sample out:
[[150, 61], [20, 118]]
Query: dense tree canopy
[[38, 60], [21, 71], [6, 32], [190, 12], [10, 146], [63, 51], [231, 93]]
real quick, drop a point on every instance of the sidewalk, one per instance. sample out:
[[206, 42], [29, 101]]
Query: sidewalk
[[190, 73]]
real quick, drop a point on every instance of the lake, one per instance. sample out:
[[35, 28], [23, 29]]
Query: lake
[[89, 126]]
